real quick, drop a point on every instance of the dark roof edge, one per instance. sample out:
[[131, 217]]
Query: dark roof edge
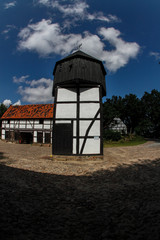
[[82, 55]]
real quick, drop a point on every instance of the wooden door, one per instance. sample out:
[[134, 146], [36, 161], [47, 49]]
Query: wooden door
[[63, 139]]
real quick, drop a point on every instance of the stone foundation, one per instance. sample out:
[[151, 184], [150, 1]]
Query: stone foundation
[[77, 158]]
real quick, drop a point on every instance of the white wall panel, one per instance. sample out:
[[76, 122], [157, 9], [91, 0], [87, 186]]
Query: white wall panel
[[74, 128], [3, 137], [89, 94], [46, 126], [63, 121], [22, 121], [92, 146], [29, 127], [22, 126], [88, 110], [35, 134], [38, 126], [46, 121], [3, 131], [66, 94], [11, 125], [66, 111], [74, 145], [94, 131]]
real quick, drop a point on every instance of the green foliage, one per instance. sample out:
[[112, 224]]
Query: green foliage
[[126, 141], [141, 116], [3, 108], [112, 135]]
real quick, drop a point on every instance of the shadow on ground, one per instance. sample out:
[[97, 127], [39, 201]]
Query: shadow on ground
[[120, 204]]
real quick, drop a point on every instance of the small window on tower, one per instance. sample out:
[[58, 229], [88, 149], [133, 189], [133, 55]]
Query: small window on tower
[[41, 121]]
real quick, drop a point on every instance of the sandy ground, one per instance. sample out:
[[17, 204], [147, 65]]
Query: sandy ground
[[115, 198]]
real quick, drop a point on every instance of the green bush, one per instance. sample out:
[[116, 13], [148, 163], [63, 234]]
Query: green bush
[[112, 135]]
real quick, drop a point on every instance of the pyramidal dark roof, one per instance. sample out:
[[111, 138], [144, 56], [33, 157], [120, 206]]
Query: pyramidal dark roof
[[81, 55], [79, 67]]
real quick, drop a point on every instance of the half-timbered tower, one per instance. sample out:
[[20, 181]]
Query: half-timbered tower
[[79, 85]]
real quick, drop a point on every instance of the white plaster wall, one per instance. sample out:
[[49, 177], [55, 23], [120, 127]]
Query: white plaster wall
[[46, 126], [43, 137], [16, 124], [47, 121], [3, 134], [89, 94], [3, 137], [88, 110], [74, 145], [92, 146], [22, 121], [66, 110], [74, 128], [38, 126], [22, 126], [29, 124], [62, 121], [66, 94], [94, 131], [36, 121], [35, 137], [3, 131], [29, 127]]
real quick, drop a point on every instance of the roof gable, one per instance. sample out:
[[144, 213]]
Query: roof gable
[[29, 111]]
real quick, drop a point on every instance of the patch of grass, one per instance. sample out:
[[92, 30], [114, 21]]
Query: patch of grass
[[125, 141]]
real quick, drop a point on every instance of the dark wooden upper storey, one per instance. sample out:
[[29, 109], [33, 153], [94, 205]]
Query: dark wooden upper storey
[[79, 68]]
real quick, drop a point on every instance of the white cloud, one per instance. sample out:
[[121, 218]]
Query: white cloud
[[77, 9], [10, 5], [155, 54], [21, 79], [47, 38], [7, 102], [99, 16], [38, 91], [8, 29], [18, 103], [123, 52]]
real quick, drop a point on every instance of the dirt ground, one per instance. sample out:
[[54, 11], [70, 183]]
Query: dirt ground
[[114, 198]]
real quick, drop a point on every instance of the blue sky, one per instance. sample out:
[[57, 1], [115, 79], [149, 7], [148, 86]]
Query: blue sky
[[34, 34]]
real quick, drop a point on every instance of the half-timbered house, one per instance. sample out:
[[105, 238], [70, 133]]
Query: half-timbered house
[[28, 123], [79, 85]]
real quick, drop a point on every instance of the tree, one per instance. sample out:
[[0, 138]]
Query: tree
[[151, 111], [132, 112], [3, 108], [128, 109], [109, 112]]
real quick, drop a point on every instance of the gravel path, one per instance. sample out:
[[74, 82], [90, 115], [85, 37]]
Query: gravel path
[[116, 198]]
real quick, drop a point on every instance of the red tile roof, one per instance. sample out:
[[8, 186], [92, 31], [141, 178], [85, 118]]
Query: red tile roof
[[29, 111]]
